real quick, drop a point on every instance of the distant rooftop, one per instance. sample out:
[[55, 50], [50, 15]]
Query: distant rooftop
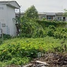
[[52, 13]]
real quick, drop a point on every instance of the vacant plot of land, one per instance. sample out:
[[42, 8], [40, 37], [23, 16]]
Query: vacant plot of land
[[23, 50]]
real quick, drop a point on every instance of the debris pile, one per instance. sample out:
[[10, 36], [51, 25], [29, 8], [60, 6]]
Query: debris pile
[[56, 59], [50, 60], [37, 64]]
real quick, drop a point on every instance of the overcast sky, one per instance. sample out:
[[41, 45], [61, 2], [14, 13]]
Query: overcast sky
[[44, 5]]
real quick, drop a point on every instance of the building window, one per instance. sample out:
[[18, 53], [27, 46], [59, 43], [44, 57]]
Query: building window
[[3, 24], [63, 18], [50, 17], [59, 18]]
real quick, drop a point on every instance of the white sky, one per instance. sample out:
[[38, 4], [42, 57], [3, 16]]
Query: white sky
[[44, 5]]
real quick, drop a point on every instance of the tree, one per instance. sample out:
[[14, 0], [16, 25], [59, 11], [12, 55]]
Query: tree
[[31, 13], [65, 13], [29, 26]]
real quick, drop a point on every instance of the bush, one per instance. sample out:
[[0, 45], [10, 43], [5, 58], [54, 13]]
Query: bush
[[6, 36], [22, 50], [60, 33], [31, 28], [51, 30], [37, 28]]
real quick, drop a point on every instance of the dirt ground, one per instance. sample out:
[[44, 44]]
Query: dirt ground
[[55, 59]]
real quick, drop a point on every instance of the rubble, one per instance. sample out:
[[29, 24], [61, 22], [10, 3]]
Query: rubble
[[56, 59], [37, 64]]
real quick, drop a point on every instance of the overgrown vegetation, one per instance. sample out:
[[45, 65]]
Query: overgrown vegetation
[[31, 26], [22, 50], [37, 28], [56, 29]]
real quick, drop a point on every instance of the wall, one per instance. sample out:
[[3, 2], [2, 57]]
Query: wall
[[11, 21], [3, 16], [7, 22]]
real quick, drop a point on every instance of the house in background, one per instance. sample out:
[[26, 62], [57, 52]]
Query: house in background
[[53, 16], [42, 15], [47, 15], [59, 16], [7, 17]]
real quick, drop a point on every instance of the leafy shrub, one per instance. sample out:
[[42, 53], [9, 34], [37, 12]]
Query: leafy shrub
[[31, 28], [19, 61], [22, 50], [0, 41], [51, 30], [6, 36], [47, 23], [60, 33]]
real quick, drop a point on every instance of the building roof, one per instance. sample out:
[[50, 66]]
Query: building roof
[[47, 13], [11, 3], [59, 14]]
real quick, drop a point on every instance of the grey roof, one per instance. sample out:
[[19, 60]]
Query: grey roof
[[11, 3], [59, 14], [47, 13]]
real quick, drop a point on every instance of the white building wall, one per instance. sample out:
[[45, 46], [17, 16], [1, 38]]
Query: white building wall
[[53, 18], [11, 27], [3, 16], [66, 19], [7, 22]]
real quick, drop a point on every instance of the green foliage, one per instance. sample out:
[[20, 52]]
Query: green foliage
[[60, 33], [0, 41], [22, 50], [31, 13], [51, 30], [33, 28], [19, 61], [65, 13], [54, 29], [6, 36], [47, 23], [30, 28]]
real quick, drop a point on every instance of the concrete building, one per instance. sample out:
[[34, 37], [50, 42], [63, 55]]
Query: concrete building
[[7, 17], [59, 16], [47, 15]]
